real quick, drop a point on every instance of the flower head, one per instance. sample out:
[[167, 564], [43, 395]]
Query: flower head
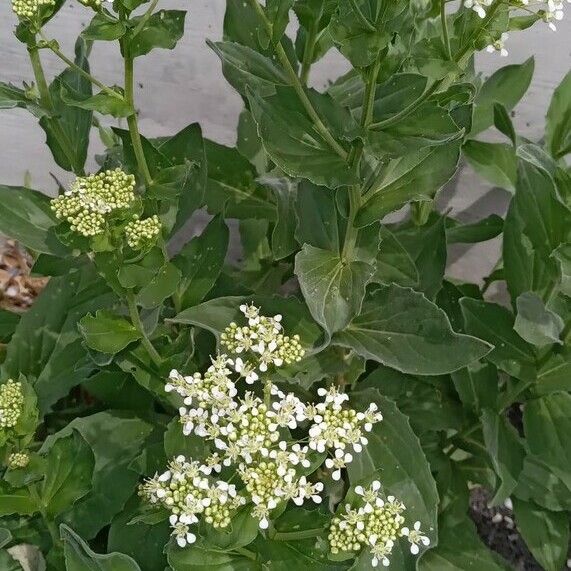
[[11, 404], [29, 9], [499, 45], [18, 460], [479, 6], [374, 524], [91, 199], [142, 233]]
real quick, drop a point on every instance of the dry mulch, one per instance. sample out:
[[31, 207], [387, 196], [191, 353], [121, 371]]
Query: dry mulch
[[18, 288]]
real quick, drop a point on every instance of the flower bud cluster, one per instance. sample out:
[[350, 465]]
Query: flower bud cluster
[[11, 404], [250, 435], [186, 490], [94, 4], [18, 460], [142, 233], [28, 9], [93, 198], [374, 524]]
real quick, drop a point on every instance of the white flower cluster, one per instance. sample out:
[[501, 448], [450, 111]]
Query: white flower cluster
[[142, 233], [251, 435], [11, 404], [550, 11], [187, 491], [28, 9], [479, 6], [91, 199], [261, 343], [375, 524]]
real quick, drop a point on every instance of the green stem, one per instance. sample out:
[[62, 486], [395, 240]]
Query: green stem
[[436, 85], [106, 89], [268, 393], [50, 524], [362, 18], [136, 320], [144, 18], [356, 154], [132, 121], [308, 52], [293, 535], [299, 89], [445, 35], [47, 103]]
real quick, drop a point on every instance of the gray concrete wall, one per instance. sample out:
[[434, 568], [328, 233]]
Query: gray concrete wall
[[180, 87]]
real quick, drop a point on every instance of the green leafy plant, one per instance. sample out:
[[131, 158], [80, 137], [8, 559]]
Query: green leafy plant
[[329, 399]]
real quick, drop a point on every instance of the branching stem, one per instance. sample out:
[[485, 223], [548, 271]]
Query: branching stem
[[299, 89]]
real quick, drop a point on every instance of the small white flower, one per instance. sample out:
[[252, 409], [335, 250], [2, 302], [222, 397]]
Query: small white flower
[[415, 536]]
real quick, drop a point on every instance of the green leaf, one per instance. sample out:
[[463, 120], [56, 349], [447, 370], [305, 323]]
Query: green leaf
[[536, 224], [277, 12], [79, 557], [116, 440], [143, 542], [162, 30], [394, 456], [495, 324], [495, 162], [459, 548], [426, 245], [403, 330], [477, 386], [232, 186], [200, 262], [12, 97], [177, 443], [106, 332], [200, 557], [563, 256], [333, 287], [480, 231], [246, 68], [47, 346], [317, 217], [294, 143], [506, 87], [74, 122], [8, 322], [430, 125], [535, 323], [555, 374], [415, 176], [546, 533], [506, 452], [101, 102], [393, 263], [215, 315], [241, 532], [429, 403], [69, 468], [546, 420], [16, 501], [26, 216], [104, 27], [163, 285], [283, 240], [361, 29], [558, 128], [503, 123], [539, 484]]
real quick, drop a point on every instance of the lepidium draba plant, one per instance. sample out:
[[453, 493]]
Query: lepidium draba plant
[[320, 394]]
